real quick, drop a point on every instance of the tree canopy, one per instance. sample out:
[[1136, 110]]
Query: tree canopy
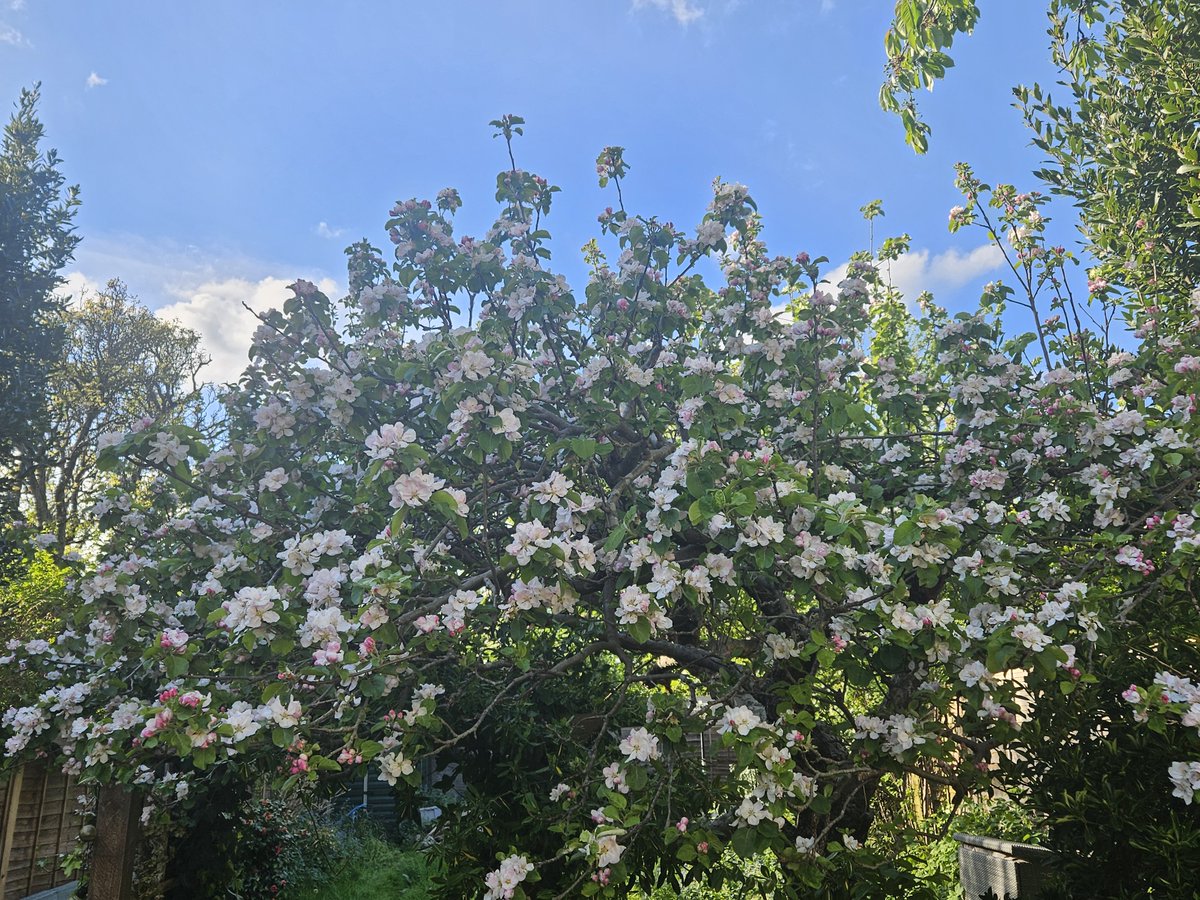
[[37, 239], [680, 514], [120, 365]]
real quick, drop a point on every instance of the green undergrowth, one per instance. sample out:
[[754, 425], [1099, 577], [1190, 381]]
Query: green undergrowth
[[375, 869]]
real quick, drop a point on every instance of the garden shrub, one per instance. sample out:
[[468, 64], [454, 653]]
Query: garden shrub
[[278, 846]]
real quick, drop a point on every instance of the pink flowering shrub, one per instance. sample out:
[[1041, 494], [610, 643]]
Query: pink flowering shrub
[[848, 539]]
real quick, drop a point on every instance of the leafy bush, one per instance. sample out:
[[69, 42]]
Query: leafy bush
[[936, 863], [1097, 778], [31, 607], [279, 845]]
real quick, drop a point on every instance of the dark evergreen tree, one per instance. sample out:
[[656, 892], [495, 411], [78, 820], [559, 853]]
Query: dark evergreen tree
[[37, 239]]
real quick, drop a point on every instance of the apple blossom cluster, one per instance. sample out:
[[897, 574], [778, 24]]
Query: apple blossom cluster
[[803, 551], [503, 883], [1172, 700]]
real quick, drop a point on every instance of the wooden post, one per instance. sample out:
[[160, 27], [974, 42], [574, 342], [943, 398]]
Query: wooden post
[[118, 826], [13, 802]]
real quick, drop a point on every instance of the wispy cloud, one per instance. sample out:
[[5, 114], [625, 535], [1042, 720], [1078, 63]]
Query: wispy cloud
[[323, 230], [683, 11], [796, 156], [921, 270], [16, 5], [94, 81], [10, 35]]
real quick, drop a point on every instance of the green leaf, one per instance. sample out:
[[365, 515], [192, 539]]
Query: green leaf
[[443, 501], [907, 532], [282, 645], [856, 674], [584, 448], [615, 539], [323, 763], [891, 658], [108, 460], [636, 778], [999, 655], [700, 481], [909, 18], [370, 749], [745, 842], [375, 686]]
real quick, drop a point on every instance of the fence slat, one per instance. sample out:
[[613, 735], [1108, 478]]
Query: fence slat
[[31, 878], [12, 803]]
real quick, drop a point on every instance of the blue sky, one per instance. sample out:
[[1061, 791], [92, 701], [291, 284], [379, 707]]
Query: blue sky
[[224, 148]]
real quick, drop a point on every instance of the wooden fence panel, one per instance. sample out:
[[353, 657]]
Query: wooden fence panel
[[39, 826]]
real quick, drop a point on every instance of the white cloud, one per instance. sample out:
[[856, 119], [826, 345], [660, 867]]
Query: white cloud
[[215, 310], [920, 270], [323, 230], [955, 269], [16, 5], [76, 284], [684, 11], [10, 35], [95, 80], [202, 288]]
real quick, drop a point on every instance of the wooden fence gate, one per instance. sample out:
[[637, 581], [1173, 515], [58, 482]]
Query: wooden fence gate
[[40, 825]]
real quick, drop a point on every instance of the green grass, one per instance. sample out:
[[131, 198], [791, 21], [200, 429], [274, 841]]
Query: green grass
[[372, 870]]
